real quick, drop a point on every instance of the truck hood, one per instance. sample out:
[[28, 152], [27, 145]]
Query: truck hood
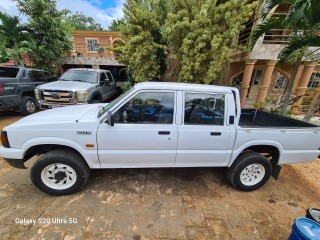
[[63, 114], [66, 86]]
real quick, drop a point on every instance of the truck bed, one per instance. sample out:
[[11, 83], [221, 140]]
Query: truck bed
[[252, 118]]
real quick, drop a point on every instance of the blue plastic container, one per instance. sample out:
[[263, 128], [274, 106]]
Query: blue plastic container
[[305, 229]]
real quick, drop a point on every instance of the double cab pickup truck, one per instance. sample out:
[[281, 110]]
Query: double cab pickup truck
[[17, 85], [157, 125], [77, 86]]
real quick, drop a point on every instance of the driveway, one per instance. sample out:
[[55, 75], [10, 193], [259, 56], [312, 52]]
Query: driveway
[[189, 203]]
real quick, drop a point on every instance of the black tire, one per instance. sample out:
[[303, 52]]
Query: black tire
[[77, 172], [95, 101], [240, 166], [29, 105]]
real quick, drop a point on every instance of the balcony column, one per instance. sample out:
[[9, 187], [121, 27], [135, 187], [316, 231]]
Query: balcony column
[[266, 80], [246, 80], [303, 83]]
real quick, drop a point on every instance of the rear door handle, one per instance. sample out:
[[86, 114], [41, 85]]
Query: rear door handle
[[163, 132], [215, 133]]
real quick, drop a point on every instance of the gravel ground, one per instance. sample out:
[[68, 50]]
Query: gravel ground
[[189, 203]]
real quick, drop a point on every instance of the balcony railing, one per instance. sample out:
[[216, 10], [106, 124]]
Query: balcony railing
[[280, 36], [81, 50]]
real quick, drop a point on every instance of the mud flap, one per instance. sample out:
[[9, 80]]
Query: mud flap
[[17, 163], [275, 171]]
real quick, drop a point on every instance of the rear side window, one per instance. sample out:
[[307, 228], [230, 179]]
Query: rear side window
[[8, 72], [37, 76], [146, 108], [204, 109]]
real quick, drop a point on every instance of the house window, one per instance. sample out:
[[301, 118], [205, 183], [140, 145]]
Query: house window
[[281, 81], [92, 45], [314, 80]]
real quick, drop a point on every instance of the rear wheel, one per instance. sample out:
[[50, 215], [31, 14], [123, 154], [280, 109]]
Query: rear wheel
[[250, 171], [60, 172], [29, 105]]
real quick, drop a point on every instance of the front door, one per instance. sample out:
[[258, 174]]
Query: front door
[[203, 135], [144, 132], [112, 89]]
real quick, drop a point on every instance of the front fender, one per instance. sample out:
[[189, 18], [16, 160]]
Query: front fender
[[90, 155], [93, 94]]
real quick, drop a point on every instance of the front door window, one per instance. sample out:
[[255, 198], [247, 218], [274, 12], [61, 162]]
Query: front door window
[[147, 108]]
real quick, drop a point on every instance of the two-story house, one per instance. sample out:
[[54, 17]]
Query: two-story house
[[259, 76], [91, 49]]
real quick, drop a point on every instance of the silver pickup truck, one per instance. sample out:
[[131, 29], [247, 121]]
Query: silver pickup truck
[[77, 86]]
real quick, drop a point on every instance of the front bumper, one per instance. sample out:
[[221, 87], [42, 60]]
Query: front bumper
[[14, 156], [50, 105]]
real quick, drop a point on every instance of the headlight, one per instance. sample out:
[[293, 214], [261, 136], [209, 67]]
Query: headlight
[[37, 94], [82, 96]]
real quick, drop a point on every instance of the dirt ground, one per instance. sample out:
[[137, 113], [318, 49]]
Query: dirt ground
[[190, 203]]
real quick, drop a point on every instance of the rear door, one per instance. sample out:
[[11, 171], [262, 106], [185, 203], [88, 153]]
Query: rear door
[[144, 133], [204, 136]]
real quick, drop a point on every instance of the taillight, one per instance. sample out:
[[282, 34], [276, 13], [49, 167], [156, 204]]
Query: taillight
[[4, 139]]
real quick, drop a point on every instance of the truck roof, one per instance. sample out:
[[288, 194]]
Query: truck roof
[[27, 68], [184, 86]]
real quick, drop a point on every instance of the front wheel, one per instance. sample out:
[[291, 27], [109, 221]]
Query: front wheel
[[250, 171], [60, 172], [29, 105]]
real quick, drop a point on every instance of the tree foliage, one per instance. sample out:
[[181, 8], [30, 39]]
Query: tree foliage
[[13, 38], [303, 17], [189, 39], [116, 25], [50, 32], [141, 34], [79, 21]]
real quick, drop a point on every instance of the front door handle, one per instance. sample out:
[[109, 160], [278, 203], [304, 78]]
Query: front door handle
[[215, 133], [163, 132]]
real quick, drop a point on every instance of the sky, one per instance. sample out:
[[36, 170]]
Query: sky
[[102, 11]]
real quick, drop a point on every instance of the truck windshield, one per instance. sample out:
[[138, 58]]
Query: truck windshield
[[80, 76], [114, 102], [6, 72]]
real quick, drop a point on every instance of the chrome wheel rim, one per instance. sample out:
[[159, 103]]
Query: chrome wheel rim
[[58, 176], [30, 106], [252, 174]]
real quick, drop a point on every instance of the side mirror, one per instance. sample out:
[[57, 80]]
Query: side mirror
[[110, 120]]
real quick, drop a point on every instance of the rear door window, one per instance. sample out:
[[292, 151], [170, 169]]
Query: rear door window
[[37, 76], [204, 109], [6, 72]]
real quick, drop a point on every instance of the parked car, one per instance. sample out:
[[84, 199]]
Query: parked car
[[77, 86], [158, 125], [17, 86]]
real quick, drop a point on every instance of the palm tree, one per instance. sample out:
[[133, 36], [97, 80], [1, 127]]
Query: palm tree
[[14, 36], [303, 15], [312, 110]]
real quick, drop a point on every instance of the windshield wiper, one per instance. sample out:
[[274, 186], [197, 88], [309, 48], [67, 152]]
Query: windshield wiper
[[78, 80]]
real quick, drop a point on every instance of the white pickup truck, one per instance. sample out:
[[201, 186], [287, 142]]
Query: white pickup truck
[[158, 125]]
